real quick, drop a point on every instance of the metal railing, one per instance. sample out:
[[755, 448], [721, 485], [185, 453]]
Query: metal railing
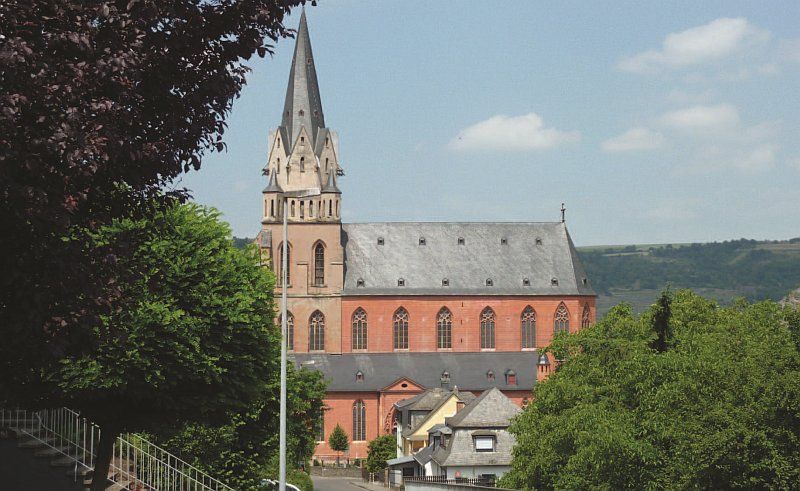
[[135, 464]]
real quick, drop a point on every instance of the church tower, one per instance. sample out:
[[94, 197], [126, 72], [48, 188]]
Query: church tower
[[303, 155]]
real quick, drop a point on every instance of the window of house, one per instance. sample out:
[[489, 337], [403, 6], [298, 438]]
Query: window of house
[[526, 282], [484, 443], [289, 330], [445, 377], [316, 331], [490, 375], [400, 329], [528, 325], [359, 421], [586, 317], [487, 328], [319, 264], [445, 282], [561, 319], [359, 325], [444, 329], [553, 281], [360, 282]]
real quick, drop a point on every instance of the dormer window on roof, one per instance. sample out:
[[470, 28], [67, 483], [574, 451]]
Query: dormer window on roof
[[544, 360], [490, 375], [585, 281], [359, 376], [489, 282], [461, 241], [553, 281], [445, 378], [538, 241], [445, 282], [380, 240], [422, 241], [360, 283], [503, 241], [526, 282], [401, 282], [511, 377]]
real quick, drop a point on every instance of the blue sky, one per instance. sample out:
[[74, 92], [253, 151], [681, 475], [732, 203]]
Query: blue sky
[[653, 121]]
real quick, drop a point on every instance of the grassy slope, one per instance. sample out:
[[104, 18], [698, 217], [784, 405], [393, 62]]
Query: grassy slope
[[721, 270]]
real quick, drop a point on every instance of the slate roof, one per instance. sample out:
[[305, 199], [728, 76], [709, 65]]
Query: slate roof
[[491, 409], [505, 253], [424, 401], [467, 370]]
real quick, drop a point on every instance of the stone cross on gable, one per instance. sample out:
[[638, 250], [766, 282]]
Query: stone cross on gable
[[563, 212]]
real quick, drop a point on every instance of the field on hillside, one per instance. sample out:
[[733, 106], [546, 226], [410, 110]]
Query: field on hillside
[[755, 270]]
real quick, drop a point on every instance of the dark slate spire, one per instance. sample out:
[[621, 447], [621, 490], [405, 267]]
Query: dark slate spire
[[330, 186], [303, 106], [272, 186]]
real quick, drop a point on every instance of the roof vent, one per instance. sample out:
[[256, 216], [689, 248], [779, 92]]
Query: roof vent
[[422, 241], [585, 281], [360, 282], [445, 282], [445, 377], [461, 241], [489, 282], [490, 375], [380, 240], [359, 376], [401, 282], [503, 241], [553, 281], [538, 241], [526, 282]]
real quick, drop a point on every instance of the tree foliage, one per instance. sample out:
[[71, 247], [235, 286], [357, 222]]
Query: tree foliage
[[103, 104], [718, 409], [245, 450], [380, 450], [338, 440]]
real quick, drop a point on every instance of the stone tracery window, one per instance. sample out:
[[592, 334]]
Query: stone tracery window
[[586, 317], [528, 325], [487, 328], [400, 329], [359, 421], [359, 324], [316, 331], [561, 320], [289, 330], [444, 329], [319, 264]]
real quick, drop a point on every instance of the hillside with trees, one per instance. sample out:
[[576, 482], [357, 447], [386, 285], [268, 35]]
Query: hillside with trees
[[755, 270]]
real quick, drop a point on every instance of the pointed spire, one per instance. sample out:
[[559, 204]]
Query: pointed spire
[[303, 106], [272, 186], [330, 186]]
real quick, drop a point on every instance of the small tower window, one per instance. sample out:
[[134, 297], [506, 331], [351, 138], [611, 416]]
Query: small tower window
[[553, 281], [401, 282], [302, 164], [302, 209], [309, 61], [445, 282], [422, 241], [360, 283], [301, 113], [380, 240], [526, 282], [327, 140], [461, 241], [489, 282], [503, 241]]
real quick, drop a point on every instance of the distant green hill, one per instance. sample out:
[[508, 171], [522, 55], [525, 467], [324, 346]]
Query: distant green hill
[[755, 270]]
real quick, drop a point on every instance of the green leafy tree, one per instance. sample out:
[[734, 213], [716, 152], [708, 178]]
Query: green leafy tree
[[338, 441], [245, 449], [192, 340], [380, 450], [716, 406]]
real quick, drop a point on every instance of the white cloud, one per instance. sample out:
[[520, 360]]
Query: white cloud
[[637, 138], [501, 132], [717, 40], [707, 118], [759, 159]]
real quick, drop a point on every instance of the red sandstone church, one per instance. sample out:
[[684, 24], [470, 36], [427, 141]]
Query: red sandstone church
[[387, 310]]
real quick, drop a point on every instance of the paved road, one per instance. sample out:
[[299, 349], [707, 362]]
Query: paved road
[[335, 484]]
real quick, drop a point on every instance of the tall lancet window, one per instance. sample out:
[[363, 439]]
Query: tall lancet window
[[444, 329], [289, 330], [561, 320], [359, 329], [586, 317], [359, 421], [316, 331], [400, 328], [487, 328], [302, 164], [528, 324], [319, 264], [280, 265]]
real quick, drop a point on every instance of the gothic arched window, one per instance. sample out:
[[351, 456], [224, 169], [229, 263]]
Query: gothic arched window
[[586, 317], [359, 340], [359, 421], [316, 331], [444, 329], [289, 330], [487, 328], [400, 328], [280, 265], [319, 264], [561, 320], [302, 164], [528, 322]]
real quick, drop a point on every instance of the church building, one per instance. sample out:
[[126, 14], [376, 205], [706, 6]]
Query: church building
[[387, 310]]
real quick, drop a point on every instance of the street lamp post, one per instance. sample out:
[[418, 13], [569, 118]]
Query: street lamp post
[[303, 193]]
